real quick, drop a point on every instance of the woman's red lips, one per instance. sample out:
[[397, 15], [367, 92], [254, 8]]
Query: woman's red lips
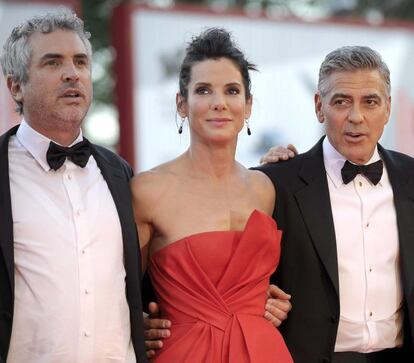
[[219, 120]]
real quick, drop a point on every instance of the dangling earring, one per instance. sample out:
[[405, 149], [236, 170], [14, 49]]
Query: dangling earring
[[248, 127], [180, 129]]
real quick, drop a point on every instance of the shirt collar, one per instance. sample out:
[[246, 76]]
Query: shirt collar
[[334, 162], [37, 144]]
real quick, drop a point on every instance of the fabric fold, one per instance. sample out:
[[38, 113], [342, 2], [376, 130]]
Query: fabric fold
[[219, 319]]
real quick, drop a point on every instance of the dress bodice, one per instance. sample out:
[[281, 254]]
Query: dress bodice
[[212, 286]]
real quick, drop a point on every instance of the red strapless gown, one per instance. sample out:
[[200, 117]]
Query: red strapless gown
[[212, 286]]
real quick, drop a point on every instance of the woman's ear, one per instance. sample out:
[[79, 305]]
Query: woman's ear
[[181, 105], [249, 104]]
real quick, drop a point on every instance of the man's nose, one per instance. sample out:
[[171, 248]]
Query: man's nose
[[356, 114], [70, 73]]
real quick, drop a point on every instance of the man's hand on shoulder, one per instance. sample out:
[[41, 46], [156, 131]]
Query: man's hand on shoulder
[[279, 153], [155, 330], [277, 305]]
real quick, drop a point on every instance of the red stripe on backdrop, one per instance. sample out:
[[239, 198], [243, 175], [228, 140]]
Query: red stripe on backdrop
[[124, 73], [405, 122]]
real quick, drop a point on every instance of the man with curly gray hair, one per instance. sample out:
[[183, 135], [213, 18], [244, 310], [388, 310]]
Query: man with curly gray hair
[[69, 253]]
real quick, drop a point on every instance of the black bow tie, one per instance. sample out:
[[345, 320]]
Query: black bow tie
[[372, 171], [78, 154]]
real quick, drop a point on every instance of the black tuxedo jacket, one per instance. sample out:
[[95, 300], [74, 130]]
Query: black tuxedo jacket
[[308, 267], [117, 173]]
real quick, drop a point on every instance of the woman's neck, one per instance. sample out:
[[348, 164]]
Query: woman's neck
[[212, 160]]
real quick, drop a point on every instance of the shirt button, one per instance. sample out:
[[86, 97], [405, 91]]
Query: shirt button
[[360, 184], [370, 269], [83, 252], [86, 334], [370, 313], [86, 291], [367, 225], [78, 213], [70, 176]]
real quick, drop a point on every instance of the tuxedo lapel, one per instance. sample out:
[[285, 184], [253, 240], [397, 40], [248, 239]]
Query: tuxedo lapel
[[113, 177], [314, 203], [6, 220], [117, 184], [402, 181]]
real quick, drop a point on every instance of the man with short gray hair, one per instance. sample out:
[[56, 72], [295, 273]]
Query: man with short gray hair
[[346, 209], [69, 252]]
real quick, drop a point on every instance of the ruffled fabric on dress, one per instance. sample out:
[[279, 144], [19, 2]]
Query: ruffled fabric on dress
[[212, 286]]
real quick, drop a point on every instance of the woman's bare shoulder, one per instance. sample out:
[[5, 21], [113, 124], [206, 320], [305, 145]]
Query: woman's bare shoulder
[[260, 180], [149, 184], [263, 189]]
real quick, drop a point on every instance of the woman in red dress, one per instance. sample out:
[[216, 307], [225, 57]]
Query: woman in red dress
[[204, 221]]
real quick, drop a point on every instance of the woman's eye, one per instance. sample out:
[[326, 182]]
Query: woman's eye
[[202, 90], [234, 91]]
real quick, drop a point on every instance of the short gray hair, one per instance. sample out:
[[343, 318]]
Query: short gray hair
[[16, 54], [352, 58]]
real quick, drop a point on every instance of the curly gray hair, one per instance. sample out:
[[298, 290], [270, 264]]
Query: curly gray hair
[[16, 54]]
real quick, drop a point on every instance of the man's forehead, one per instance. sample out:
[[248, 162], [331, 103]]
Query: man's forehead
[[361, 82], [58, 41]]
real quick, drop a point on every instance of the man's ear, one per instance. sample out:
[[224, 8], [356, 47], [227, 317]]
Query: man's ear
[[318, 107], [181, 104], [388, 108], [15, 89]]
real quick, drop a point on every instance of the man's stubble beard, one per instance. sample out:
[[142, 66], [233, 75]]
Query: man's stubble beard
[[62, 121], [68, 121]]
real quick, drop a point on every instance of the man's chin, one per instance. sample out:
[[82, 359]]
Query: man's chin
[[72, 117], [361, 157], [68, 125]]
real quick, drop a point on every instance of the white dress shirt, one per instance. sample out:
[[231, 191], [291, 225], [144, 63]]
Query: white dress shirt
[[70, 302], [368, 258]]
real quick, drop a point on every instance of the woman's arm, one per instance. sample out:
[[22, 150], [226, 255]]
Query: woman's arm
[[141, 202]]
